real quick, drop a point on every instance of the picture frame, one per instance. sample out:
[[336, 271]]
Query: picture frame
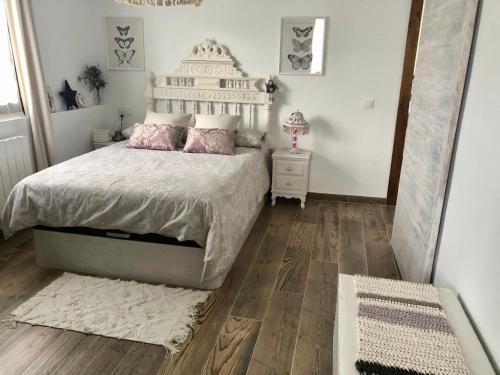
[[125, 43], [81, 100], [302, 46]]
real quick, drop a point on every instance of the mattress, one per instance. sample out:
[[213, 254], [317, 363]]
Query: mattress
[[204, 198]]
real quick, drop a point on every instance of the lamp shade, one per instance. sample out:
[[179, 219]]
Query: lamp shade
[[296, 123]]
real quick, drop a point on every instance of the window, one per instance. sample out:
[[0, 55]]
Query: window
[[9, 92]]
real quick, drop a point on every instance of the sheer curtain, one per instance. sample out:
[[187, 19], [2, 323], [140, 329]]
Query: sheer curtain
[[9, 92], [30, 78]]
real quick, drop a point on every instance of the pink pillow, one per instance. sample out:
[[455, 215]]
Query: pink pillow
[[154, 137], [210, 141]]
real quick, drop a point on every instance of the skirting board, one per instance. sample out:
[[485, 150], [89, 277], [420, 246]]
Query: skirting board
[[126, 259], [347, 198]]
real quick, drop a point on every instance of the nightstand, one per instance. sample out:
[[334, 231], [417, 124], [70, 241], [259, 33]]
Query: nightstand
[[98, 145], [291, 175]]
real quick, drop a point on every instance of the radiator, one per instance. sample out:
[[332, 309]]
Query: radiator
[[15, 164]]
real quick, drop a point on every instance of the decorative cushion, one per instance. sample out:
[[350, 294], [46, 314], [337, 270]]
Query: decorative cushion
[[249, 138], [210, 141], [183, 120], [217, 121], [155, 137]]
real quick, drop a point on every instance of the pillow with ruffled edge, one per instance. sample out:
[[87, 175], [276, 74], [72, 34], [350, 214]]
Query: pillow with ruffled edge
[[177, 119], [155, 137], [210, 141]]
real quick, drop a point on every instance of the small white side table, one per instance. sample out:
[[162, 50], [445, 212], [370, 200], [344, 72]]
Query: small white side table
[[291, 175]]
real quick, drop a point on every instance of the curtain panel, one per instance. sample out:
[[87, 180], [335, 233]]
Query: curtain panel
[[9, 92], [31, 80]]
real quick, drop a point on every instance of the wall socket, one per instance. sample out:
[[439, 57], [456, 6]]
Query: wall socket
[[368, 103]]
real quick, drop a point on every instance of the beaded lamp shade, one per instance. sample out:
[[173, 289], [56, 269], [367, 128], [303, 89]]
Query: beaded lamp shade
[[296, 124], [161, 2]]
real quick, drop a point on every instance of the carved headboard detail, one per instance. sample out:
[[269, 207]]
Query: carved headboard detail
[[210, 82]]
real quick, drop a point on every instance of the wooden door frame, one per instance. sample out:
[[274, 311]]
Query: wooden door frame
[[404, 99]]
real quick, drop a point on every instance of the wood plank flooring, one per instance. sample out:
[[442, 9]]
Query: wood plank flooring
[[274, 314]]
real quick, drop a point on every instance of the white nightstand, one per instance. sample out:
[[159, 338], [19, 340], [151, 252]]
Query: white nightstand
[[291, 175], [98, 145]]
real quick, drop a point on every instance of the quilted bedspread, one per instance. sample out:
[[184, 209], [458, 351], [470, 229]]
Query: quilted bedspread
[[205, 198]]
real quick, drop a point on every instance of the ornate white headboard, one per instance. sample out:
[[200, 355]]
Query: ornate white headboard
[[209, 81]]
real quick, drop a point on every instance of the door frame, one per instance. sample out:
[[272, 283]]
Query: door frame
[[404, 99]]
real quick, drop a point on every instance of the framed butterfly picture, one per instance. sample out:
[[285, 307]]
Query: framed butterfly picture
[[302, 45], [125, 43]]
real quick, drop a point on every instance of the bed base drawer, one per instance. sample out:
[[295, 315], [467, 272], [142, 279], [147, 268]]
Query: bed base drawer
[[160, 260], [116, 234], [134, 260]]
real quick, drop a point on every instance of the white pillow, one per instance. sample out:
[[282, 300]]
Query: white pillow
[[217, 121], [249, 138], [168, 118]]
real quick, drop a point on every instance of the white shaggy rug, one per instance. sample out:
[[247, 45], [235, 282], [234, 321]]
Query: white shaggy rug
[[152, 314]]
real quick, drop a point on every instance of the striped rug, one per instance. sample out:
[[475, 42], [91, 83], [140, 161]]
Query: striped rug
[[402, 329]]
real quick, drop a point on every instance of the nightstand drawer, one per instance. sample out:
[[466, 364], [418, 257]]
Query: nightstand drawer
[[289, 183], [292, 168]]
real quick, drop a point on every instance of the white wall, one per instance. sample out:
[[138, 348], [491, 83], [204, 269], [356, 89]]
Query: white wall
[[364, 58], [469, 253], [67, 43], [73, 131]]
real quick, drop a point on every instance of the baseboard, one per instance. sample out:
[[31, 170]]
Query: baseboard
[[347, 198]]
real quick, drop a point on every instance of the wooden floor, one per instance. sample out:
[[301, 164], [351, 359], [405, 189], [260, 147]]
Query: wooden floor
[[273, 315]]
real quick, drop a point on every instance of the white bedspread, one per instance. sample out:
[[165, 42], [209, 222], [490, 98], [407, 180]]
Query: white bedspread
[[209, 199]]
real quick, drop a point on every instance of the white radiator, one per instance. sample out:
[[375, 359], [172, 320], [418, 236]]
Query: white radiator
[[15, 164]]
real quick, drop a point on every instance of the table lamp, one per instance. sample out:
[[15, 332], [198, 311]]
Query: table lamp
[[296, 124]]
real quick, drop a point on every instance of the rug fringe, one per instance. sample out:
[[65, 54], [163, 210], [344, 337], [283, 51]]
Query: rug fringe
[[177, 343], [10, 322]]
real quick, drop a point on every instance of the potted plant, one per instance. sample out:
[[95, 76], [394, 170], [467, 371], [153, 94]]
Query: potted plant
[[92, 77]]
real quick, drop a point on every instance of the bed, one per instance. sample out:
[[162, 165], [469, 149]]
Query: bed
[[164, 217]]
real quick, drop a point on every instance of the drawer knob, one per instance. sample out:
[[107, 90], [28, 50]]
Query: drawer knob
[[288, 183], [289, 169]]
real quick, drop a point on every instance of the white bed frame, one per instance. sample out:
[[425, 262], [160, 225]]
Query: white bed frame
[[209, 79]]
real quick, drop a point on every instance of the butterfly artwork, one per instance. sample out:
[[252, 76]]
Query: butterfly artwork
[[302, 33], [298, 62], [125, 57], [124, 43], [304, 46], [123, 30]]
